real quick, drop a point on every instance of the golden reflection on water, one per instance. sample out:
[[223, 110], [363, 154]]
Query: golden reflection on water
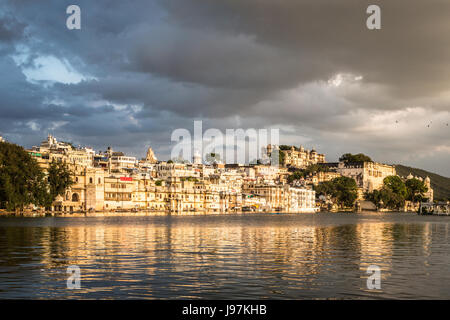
[[191, 258]]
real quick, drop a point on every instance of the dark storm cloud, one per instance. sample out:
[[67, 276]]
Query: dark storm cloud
[[215, 59], [410, 52], [19, 98], [310, 68], [10, 29]]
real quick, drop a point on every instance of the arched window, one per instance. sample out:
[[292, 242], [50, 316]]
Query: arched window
[[90, 180], [75, 197], [99, 181]]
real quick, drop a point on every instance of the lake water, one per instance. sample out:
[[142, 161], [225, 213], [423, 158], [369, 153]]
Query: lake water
[[247, 256]]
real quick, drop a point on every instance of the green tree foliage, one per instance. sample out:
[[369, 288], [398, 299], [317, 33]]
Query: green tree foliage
[[391, 196], [342, 190], [22, 182], [440, 184], [286, 147], [346, 191], [324, 189], [281, 157], [360, 157], [386, 198], [311, 169], [190, 178], [396, 184], [416, 190], [212, 158], [280, 154], [59, 179], [297, 175], [373, 196]]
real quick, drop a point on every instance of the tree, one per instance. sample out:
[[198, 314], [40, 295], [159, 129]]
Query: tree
[[22, 181], [342, 190], [345, 191], [212, 158], [311, 169], [415, 189], [59, 179], [281, 156], [396, 185], [374, 196], [360, 157], [386, 198], [392, 195], [392, 199], [297, 175], [285, 147], [325, 189]]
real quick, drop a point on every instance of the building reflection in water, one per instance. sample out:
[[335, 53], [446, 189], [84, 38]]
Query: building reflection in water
[[192, 257]]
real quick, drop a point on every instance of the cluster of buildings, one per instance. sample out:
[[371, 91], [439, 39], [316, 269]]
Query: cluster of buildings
[[297, 157], [368, 175], [113, 181]]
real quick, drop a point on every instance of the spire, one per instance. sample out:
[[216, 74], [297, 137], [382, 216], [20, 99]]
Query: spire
[[151, 156]]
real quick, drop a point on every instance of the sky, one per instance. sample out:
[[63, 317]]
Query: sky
[[137, 70]]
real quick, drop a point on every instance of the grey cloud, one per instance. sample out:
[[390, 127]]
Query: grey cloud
[[154, 66], [10, 29], [409, 52], [214, 59]]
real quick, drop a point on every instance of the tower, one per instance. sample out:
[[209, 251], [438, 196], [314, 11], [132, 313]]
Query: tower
[[151, 156], [197, 158]]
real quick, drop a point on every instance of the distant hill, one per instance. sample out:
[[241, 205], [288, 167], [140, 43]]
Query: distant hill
[[440, 184]]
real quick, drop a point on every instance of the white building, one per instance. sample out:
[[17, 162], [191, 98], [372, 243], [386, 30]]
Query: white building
[[122, 162], [52, 144], [166, 170]]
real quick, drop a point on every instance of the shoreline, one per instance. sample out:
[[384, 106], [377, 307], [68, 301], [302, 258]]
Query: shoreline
[[167, 213]]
